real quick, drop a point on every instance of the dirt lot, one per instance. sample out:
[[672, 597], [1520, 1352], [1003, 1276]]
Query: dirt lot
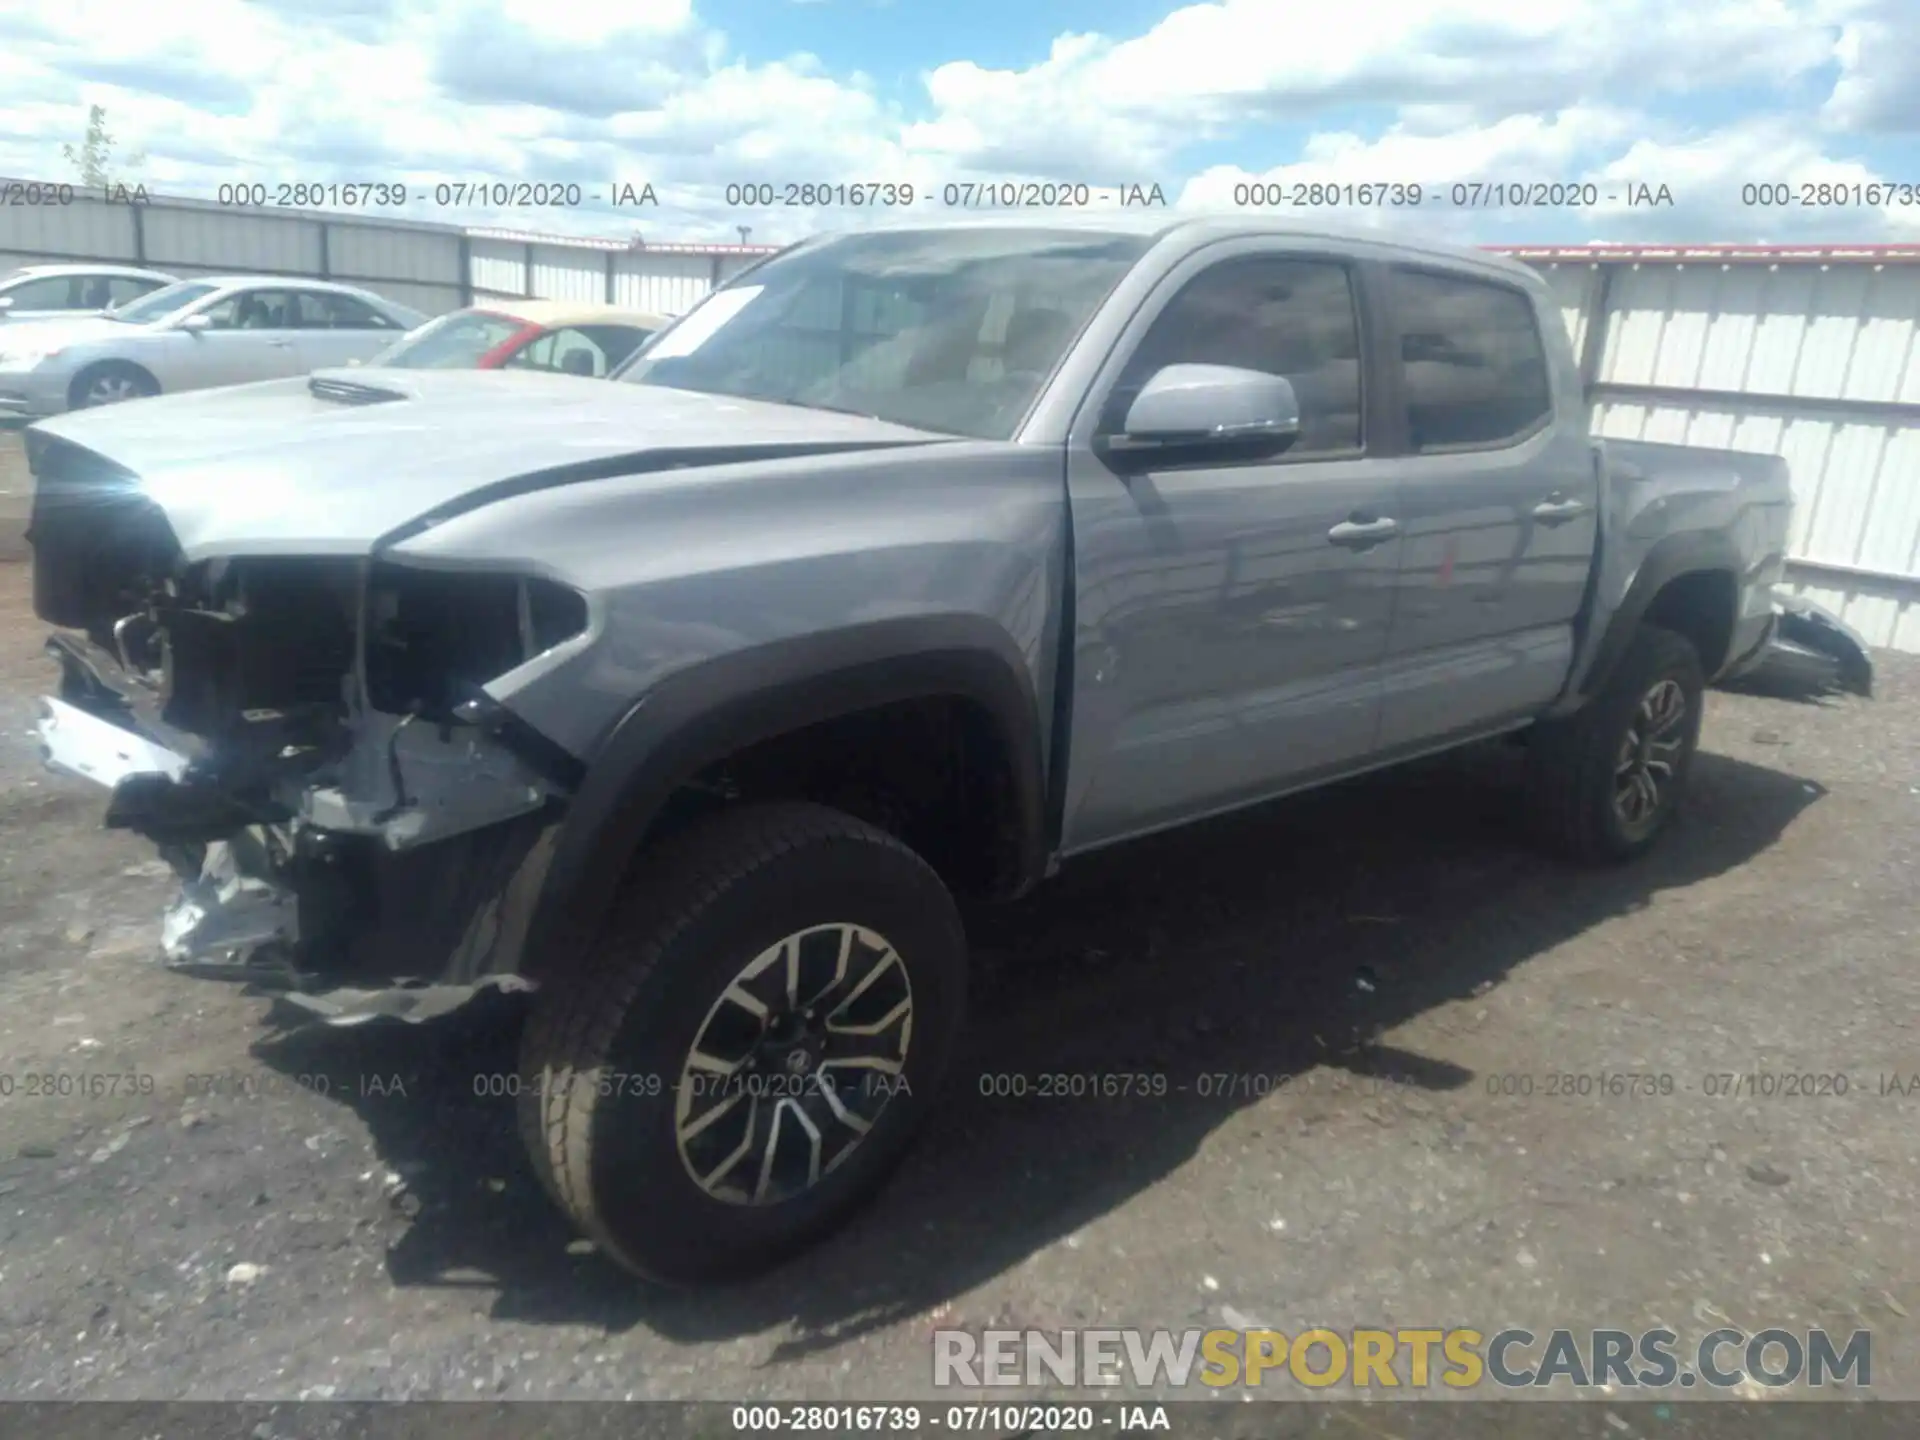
[[16, 493], [405, 1251]]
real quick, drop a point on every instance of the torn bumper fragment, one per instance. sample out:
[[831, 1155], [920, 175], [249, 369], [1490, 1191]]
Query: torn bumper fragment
[[340, 903], [360, 861]]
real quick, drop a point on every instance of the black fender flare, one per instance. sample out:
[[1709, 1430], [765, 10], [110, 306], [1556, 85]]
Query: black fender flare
[[701, 714], [1685, 553]]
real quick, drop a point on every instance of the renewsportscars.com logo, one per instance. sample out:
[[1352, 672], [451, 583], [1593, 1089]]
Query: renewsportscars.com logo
[[1414, 1359]]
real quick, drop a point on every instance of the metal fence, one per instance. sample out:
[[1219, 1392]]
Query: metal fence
[[1812, 353], [433, 268]]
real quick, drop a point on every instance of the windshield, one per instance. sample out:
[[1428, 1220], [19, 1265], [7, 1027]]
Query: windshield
[[163, 302], [950, 331], [453, 342]]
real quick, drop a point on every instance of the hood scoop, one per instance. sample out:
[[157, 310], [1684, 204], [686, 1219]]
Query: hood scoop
[[341, 391]]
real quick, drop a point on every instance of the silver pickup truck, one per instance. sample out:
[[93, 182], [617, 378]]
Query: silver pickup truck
[[905, 567]]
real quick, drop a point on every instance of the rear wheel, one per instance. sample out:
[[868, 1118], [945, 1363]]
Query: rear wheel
[[109, 383], [748, 1052], [1606, 781]]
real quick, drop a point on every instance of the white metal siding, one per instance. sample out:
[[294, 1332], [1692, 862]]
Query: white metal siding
[[499, 268], [376, 251], [1814, 345], [233, 241], [561, 274], [664, 284], [1573, 286]]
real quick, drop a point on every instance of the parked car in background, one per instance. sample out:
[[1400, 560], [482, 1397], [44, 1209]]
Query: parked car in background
[[219, 330], [55, 292], [560, 335]]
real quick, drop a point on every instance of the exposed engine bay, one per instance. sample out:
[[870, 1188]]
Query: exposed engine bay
[[356, 823]]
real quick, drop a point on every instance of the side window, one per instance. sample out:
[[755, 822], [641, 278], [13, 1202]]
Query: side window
[[615, 342], [253, 310], [55, 292], [536, 354], [1294, 318], [324, 310], [1475, 372], [346, 313], [122, 288]]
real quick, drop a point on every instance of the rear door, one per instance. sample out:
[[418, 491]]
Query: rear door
[[1497, 504], [335, 328], [1230, 626]]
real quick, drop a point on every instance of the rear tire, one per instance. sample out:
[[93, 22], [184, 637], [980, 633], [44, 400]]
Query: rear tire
[[1604, 783], [749, 910], [108, 383]]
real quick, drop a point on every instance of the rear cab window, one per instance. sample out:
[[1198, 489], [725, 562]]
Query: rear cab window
[[1473, 368]]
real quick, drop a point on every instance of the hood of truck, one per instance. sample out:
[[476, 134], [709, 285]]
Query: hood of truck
[[339, 462]]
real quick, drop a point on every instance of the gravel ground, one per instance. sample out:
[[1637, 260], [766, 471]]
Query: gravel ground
[[346, 1214], [16, 493]]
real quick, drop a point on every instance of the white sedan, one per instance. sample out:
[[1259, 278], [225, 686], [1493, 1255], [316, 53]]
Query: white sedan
[[63, 292], [220, 330]]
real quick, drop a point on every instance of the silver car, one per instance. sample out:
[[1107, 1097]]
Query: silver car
[[63, 292], [220, 330]]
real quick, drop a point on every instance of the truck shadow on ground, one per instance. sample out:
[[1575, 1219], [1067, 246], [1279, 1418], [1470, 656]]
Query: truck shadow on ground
[[1274, 943]]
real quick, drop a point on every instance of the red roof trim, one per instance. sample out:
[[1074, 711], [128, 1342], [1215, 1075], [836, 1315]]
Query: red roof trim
[[1712, 253]]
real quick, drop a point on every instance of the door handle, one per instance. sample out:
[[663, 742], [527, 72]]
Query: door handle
[[1363, 534], [1555, 511], [281, 344]]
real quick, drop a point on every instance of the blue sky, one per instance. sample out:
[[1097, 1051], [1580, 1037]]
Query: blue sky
[[1703, 98]]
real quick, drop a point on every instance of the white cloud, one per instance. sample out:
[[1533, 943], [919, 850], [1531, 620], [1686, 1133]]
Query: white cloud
[[1431, 91], [1879, 56], [1615, 169]]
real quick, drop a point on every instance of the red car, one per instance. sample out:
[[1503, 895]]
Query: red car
[[560, 335]]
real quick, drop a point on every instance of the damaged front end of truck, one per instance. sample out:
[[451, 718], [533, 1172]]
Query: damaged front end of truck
[[355, 823]]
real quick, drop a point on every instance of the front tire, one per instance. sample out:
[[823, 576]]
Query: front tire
[[747, 1053], [1604, 783], [109, 383]]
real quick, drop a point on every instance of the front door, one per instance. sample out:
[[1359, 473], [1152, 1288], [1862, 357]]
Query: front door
[[250, 336], [335, 329], [1230, 618]]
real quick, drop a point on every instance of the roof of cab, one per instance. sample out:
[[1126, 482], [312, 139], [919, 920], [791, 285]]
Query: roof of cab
[[1158, 226]]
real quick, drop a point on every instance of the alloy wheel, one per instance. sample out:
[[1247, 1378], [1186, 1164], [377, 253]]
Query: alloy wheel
[[110, 390], [1649, 758], [793, 1064]]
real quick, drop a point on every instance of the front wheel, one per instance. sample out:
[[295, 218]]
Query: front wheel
[[109, 384], [749, 1050], [1606, 781]]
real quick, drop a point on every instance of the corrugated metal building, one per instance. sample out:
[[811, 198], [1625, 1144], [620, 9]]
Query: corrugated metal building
[[1808, 352]]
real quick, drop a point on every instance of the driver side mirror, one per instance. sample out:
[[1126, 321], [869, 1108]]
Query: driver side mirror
[[6, 303], [194, 324], [1188, 414]]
